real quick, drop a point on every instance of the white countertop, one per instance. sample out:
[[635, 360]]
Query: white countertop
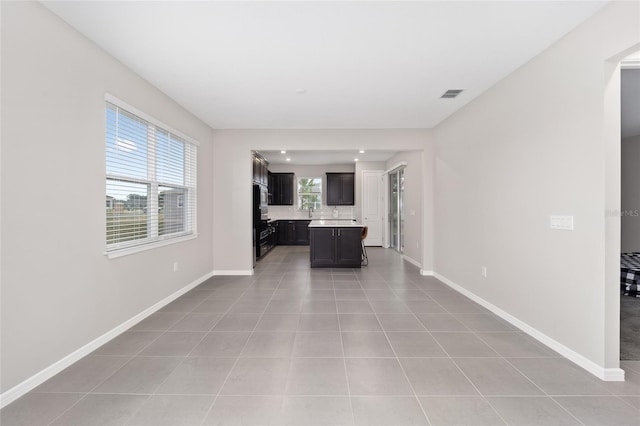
[[334, 223]]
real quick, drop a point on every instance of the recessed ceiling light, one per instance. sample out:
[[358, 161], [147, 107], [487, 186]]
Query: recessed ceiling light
[[355, 159], [362, 151], [301, 91], [283, 152], [288, 159]]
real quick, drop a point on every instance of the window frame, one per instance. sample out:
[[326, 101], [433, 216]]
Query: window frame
[[300, 194], [190, 169]]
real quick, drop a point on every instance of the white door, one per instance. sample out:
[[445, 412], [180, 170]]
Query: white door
[[372, 193]]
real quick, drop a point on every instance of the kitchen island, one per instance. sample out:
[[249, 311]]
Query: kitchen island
[[335, 243]]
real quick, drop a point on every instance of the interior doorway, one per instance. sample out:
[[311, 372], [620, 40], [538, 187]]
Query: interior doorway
[[372, 202], [630, 210], [396, 209]]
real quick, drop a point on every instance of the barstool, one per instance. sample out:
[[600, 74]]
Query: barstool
[[365, 258]]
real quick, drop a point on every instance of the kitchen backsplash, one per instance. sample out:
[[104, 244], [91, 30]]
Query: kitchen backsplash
[[326, 212]]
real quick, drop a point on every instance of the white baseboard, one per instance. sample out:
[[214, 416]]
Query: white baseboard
[[613, 375], [412, 261], [233, 272], [607, 374], [37, 379], [426, 273]]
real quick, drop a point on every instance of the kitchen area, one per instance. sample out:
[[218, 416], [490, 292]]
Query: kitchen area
[[306, 205]]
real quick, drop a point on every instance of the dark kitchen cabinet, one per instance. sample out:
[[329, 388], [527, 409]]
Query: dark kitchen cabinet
[[340, 189], [322, 246], [285, 232], [349, 246], [293, 232], [335, 247], [270, 187], [260, 169], [281, 189], [301, 232]]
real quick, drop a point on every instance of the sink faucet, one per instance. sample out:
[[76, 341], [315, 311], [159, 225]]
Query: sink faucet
[[310, 211]]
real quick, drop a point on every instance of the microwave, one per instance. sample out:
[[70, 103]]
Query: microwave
[[264, 197]]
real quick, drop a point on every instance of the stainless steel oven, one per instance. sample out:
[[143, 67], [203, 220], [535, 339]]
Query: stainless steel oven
[[266, 239], [260, 204]]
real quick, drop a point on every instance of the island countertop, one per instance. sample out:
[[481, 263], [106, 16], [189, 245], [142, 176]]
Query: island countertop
[[334, 223]]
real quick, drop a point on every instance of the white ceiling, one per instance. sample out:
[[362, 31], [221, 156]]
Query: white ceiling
[[630, 102], [362, 64], [317, 158]]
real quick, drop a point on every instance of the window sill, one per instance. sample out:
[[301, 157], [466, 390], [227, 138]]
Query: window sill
[[144, 247]]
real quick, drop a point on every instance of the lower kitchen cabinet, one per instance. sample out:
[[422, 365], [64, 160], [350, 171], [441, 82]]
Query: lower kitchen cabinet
[[323, 246], [336, 247], [293, 232], [349, 247]]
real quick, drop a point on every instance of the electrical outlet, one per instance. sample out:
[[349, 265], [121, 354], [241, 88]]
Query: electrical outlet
[[175, 266], [483, 271]]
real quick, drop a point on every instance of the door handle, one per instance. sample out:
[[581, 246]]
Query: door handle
[[332, 232], [338, 232]]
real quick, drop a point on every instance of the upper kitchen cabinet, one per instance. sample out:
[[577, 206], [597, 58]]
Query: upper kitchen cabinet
[[281, 189], [340, 189], [260, 169]]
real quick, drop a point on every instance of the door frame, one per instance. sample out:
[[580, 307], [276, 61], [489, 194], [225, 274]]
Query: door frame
[[612, 222], [381, 202], [387, 224]]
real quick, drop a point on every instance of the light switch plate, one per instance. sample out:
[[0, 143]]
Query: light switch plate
[[564, 223]]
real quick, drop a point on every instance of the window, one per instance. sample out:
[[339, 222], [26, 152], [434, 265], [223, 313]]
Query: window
[[309, 193], [150, 180]]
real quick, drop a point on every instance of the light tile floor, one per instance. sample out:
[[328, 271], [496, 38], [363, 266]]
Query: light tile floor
[[298, 346]]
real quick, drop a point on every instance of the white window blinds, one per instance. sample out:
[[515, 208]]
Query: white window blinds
[[150, 181]]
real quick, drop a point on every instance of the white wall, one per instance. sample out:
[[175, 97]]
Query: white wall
[[232, 192], [630, 207], [300, 171], [59, 291], [529, 147]]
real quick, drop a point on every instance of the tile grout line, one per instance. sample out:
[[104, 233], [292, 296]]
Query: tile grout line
[[344, 359], [530, 380], [131, 357], [215, 399], [621, 397], [500, 356], [196, 345], [184, 357], [451, 358], [286, 268], [484, 398], [356, 395], [286, 379], [397, 359], [543, 391]]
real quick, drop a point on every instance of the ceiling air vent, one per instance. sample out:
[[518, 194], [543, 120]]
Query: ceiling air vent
[[451, 93]]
